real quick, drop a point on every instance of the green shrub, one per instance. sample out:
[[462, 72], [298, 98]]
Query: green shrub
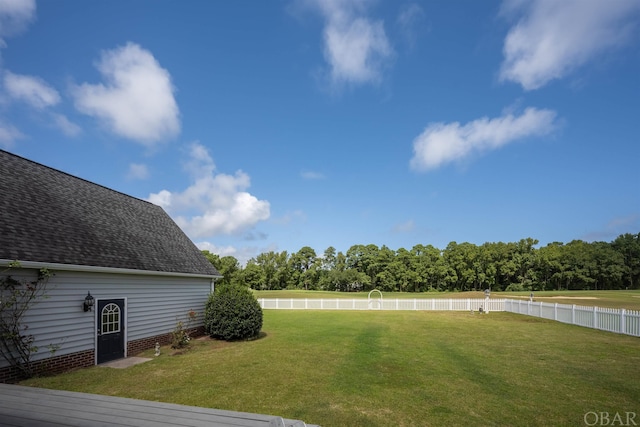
[[517, 287], [233, 313]]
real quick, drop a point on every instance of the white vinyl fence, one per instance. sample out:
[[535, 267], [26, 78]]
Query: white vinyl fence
[[616, 320], [607, 319], [455, 304]]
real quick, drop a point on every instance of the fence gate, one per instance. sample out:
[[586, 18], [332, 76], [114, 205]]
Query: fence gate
[[375, 304]]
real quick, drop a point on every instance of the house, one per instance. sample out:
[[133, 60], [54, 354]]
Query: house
[[143, 272]]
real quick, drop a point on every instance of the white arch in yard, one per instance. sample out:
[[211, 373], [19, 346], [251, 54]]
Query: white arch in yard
[[377, 302]]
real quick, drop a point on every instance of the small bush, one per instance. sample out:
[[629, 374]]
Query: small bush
[[233, 313], [180, 336]]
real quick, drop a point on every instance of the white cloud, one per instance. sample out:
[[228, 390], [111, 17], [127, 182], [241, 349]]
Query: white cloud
[[215, 203], [138, 171], [136, 101], [356, 47], [312, 175], [162, 199], [289, 217], [409, 15], [8, 135], [614, 228], [404, 227], [32, 90], [408, 20], [67, 127], [36, 93], [554, 37], [218, 250], [243, 255], [442, 143], [628, 221], [15, 16]]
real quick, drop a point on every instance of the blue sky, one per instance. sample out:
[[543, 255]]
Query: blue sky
[[273, 125]]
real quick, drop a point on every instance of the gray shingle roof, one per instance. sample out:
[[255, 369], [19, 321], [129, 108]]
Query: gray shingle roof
[[50, 216]]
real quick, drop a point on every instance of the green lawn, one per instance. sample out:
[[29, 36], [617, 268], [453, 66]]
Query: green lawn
[[629, 300], [384, 368]]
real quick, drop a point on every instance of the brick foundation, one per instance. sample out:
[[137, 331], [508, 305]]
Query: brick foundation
[[84, 359], [52, 365]]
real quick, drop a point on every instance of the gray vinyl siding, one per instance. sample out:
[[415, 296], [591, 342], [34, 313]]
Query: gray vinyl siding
[[153, 306]]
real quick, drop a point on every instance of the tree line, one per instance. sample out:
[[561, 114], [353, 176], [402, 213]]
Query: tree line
[[514, 266]]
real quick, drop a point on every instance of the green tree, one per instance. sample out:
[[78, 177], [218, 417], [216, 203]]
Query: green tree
[[609, 267], [524, 259], [551, 266], [348, 280], [329, 259], [461, 258], [485, 265], [365, 259], [433, 272], [274, 271], [459, 267], [227, 266], [301, 263], [253, 276], [580, 264], [628, 245]]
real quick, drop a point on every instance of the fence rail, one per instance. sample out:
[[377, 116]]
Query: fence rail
[[440, 304], [620, 321]]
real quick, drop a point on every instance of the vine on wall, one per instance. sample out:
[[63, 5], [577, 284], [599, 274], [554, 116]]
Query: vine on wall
[[17, 296]]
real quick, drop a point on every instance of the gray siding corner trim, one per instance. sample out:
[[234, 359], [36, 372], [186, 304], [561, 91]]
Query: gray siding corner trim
[[93, 269]]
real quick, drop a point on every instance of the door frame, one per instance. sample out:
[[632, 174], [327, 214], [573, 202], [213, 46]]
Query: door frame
[[96, 324]]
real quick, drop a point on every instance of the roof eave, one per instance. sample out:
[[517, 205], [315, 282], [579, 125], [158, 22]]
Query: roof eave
[[96, 269]]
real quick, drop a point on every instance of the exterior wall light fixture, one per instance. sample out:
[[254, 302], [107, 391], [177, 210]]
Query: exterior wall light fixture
[[88, 302]]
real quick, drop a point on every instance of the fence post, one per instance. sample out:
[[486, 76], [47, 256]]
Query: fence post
[[415, 304], [595, 318], [321, 303], [555, 311], [623, 326]]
